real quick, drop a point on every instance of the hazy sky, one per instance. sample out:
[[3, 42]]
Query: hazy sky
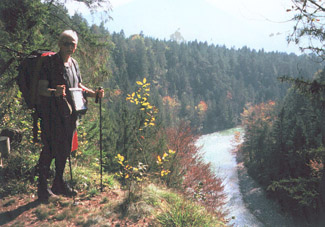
[[235, 23]]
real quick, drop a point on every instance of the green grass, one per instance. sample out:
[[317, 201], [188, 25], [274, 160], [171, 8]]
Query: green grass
[[42, 212], [173, 210], [184, 213], [86, 178]]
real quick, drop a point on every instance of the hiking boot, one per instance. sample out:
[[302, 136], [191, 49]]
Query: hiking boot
[[62, 188], [44, 194]]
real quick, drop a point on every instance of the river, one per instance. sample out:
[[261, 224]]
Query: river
[[218, 149]]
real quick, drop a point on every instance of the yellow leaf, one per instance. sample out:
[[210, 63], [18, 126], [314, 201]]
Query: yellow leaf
[[139, 83], [121, 163], [164, 172], [159, 161], [120, 157], [144, 80]]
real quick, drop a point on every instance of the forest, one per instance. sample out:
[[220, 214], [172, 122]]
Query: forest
[[160, 96], [204, 84]]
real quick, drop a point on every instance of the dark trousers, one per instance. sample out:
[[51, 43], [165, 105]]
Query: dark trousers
[[57, 143], [44, 164]]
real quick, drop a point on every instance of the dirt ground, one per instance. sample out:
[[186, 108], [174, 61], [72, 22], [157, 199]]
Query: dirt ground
[[100, 210]]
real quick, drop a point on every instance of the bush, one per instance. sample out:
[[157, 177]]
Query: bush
[[18, 173], [191, 174], [296, 194]]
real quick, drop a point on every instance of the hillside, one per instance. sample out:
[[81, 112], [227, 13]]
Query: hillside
[[207, 85], [155, 206], [26, 210]]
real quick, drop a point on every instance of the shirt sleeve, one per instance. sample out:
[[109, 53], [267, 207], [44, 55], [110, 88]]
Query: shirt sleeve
[[77, 70]]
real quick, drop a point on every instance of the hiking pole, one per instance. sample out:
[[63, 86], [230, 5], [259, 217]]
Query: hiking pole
[[70, 169], [100, 139]]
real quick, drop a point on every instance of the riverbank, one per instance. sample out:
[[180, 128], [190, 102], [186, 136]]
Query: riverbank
[[264, 209]]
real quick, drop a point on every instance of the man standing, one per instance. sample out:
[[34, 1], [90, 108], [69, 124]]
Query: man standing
[[58, 74]]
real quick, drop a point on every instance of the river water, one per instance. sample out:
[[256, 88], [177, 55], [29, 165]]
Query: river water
[[217, 149]]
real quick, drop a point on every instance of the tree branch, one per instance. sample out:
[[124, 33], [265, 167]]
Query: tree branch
[[316, 4]]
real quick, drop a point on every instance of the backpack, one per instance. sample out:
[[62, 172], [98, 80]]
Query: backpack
[[27, 80]]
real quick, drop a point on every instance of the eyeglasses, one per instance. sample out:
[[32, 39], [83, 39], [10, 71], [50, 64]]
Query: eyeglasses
[[66, 44]]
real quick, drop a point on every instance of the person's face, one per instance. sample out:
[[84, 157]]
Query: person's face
[[67, 46]]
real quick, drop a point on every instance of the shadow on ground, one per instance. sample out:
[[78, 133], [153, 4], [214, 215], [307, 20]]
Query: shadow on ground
[[9, 216]]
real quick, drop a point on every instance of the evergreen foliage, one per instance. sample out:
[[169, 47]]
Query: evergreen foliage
[[284, 150], [187, 74], [205, 86]]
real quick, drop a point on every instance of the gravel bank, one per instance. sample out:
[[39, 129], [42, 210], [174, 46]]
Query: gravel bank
[[264, 209]]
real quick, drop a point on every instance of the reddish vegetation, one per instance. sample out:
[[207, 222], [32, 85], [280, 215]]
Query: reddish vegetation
[[199, 182], [262, 114], [202, 107], [172, 102]]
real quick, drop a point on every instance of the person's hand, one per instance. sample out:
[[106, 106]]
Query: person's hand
[[60, 90], [100, 93]]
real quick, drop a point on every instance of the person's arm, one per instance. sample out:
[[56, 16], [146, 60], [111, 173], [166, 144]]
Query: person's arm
[[91, 93], [43, 89]]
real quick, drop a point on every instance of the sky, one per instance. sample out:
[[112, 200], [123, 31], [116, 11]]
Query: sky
[[257, 24]]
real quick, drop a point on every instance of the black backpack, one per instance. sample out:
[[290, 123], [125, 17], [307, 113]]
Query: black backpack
[[27, 80]]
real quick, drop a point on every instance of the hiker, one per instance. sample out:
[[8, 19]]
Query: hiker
[[59, 118]]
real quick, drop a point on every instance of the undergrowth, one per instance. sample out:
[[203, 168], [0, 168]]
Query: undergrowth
[[172, 209]]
